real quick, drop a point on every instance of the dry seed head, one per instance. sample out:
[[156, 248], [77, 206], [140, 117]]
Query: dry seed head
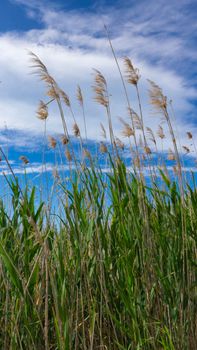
[[24, 159], [189, 135], [68, 155], [103, 148], [52, 92], [157, 98], [127, 131], [86, 153], [160, 132], [151, 135], [119, 143], [147, 150], [171, 155], [186, 149], [79, 96], [136, 119], [52, 142], [100, 89], [65, 97], [49, 80], [42, 112], [100, 79], [64, 140], [76, 130], [132, 74], [41, 69], [100, 97]]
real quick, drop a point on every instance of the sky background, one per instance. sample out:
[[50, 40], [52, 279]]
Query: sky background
[[69, 37]]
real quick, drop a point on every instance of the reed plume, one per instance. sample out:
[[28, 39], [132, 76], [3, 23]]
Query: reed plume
[[127, 131], [42, 112], [52, 141], [103, 148], [132, 74], [160, 132], [64, 140], [102, 97], [100, 89], [24, 159], [76, 130]]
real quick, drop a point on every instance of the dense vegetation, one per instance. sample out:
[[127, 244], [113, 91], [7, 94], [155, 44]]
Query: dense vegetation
[[118, 268]]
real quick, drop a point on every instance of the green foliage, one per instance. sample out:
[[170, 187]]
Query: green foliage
[[116, 276]]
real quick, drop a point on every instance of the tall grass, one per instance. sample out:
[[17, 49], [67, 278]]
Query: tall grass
[[118, 271]]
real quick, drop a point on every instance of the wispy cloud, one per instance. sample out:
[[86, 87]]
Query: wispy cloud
[[71, 43]]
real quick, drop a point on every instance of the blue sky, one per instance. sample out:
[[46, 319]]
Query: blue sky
[[159, 37]]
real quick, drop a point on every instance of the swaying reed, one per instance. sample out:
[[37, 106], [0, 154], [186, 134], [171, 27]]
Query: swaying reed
[[114, 266]]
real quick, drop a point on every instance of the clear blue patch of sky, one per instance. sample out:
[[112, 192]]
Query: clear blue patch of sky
[[84, 4], [13, 17]]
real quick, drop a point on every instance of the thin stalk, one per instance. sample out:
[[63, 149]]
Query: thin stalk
[[46, 303], [124, 86]]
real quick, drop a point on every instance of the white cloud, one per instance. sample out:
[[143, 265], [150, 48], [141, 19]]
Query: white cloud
[[72, 43], [38, 169]]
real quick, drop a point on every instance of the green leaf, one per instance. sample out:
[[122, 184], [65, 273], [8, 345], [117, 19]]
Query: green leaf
[[13, 272]]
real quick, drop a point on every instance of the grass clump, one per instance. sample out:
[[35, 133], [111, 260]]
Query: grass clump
[[118, 271]]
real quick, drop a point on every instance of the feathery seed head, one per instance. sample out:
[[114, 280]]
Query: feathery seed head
[[52, 142], [24, 159], [189, 135], [147, 150], [119, 143], [65, 97], [76, 130], [186, 149], [151, 135], [41, 70], [160, 132], [100, 89], [103, 148], [86, 153], [42, 112], [52, 92], [157, 98], [132, 74], [64, 140], [127, 131], [68, 155], [136, 119], [171, 155], [79, 96]]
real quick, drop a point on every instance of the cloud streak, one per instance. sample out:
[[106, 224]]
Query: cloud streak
[[72, 42]]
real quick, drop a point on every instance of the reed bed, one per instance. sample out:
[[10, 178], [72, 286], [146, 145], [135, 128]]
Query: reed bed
[[117, 269]]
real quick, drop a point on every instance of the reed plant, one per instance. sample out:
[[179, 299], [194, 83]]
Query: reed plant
[[116, 269]]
